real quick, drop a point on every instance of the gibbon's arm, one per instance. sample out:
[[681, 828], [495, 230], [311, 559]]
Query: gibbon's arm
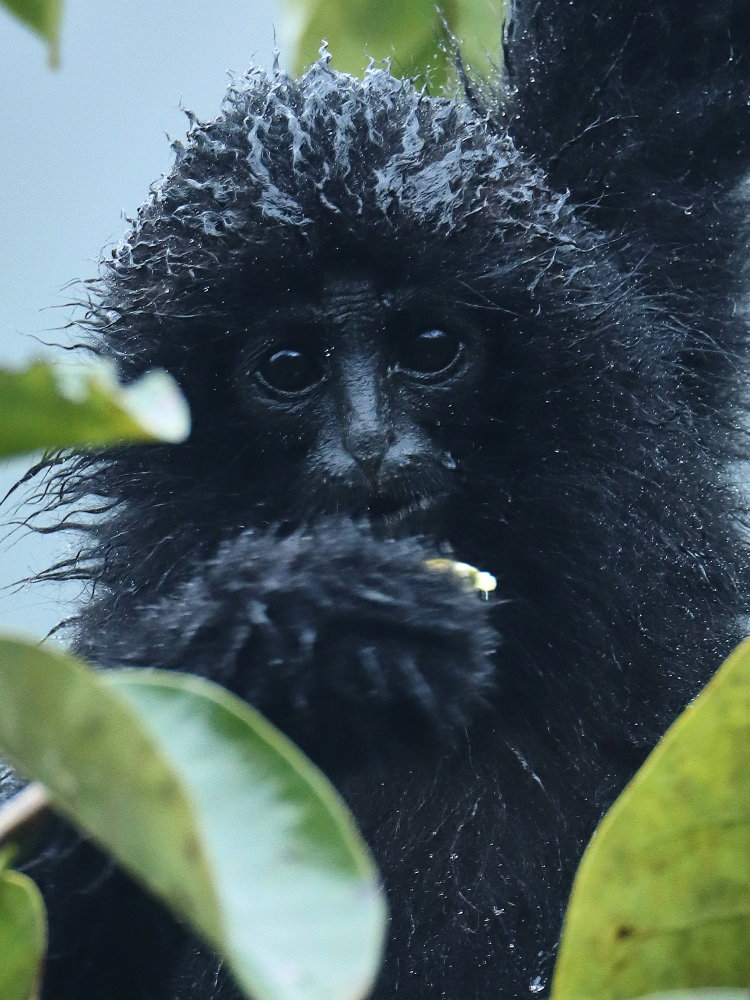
[[627, 93], [340, 637]]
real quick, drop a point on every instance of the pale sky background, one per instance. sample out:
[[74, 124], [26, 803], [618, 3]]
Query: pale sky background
[[79, 147]]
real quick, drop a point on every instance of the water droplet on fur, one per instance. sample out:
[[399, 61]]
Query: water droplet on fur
[[536, 985]]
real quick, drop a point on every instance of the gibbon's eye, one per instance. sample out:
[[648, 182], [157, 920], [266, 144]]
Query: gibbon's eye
[[433, 352], [290, 371]]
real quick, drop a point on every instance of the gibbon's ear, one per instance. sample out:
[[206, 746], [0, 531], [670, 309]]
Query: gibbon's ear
[[626, 100]]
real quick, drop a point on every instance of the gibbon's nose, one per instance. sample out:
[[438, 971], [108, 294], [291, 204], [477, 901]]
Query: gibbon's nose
[[368, 447], [365, 432]]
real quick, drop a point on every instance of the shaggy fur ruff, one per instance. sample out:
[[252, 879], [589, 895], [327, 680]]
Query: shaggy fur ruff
[[591, 224]]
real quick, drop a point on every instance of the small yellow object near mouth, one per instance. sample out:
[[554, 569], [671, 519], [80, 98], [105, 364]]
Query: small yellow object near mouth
[[477, 579]]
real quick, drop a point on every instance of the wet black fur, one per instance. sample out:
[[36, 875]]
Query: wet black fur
[[590, 224]]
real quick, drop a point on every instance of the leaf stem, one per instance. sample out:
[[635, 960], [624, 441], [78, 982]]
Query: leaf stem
[[22, 810]]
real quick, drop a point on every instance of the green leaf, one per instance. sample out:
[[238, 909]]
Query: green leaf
[[661, 900], [23, 936], [209, 806], [60, 406], [44, 16], [286, 858], [478, 28], [714, 994], [412, 35], [409, 34]]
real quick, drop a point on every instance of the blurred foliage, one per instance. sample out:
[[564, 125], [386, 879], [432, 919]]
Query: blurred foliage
[[208, 805], [44, 16], [661, 901], [64, 405], [23, 935], [412, 34]]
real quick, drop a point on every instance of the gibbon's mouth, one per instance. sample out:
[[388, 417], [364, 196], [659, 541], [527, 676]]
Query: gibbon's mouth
[[417, 516]]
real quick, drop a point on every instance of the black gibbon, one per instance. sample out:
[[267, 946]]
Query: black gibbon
[[509, 329]]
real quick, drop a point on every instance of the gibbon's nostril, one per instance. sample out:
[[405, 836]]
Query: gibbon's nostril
[[368, 448]]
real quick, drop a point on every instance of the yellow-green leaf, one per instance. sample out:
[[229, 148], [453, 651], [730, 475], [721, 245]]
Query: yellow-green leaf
[[211, 807], [44, 16], [412, 35], [23, 935], [478, 30], [719, 993], [60, 405], [661, 901]]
